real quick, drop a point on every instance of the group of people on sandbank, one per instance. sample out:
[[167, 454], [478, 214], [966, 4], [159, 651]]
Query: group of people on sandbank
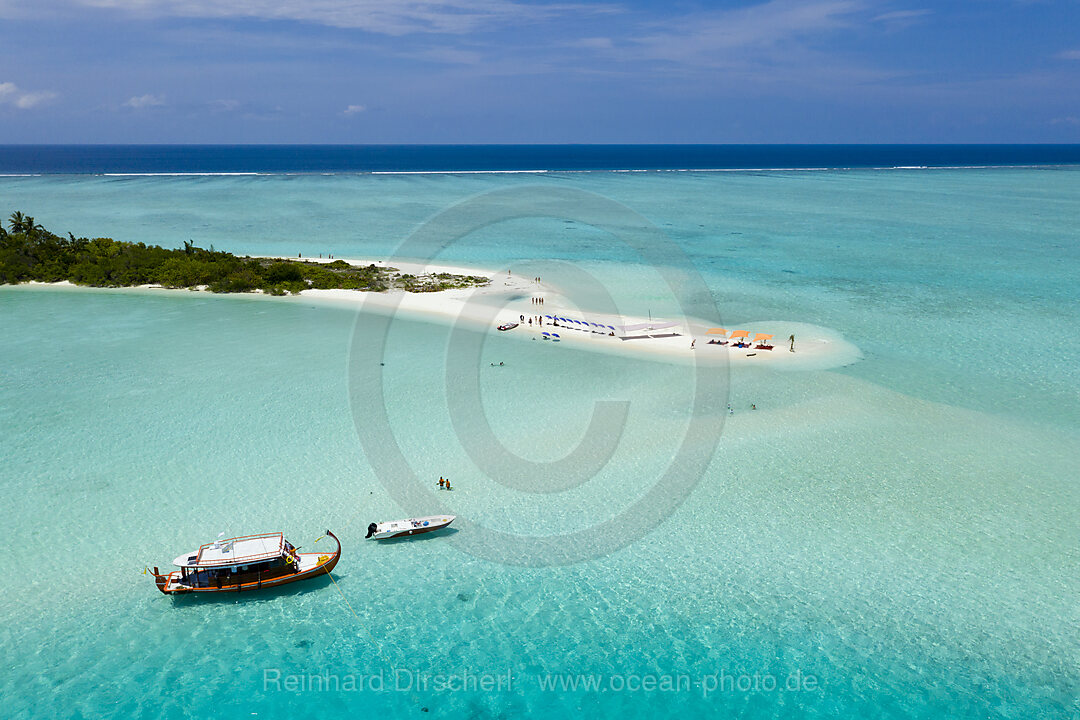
[[539, 320]]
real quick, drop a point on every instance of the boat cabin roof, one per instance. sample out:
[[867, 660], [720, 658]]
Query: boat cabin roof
[[235, 551]]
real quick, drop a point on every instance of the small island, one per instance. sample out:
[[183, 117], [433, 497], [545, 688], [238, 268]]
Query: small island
[[450, 295], [30, 253]]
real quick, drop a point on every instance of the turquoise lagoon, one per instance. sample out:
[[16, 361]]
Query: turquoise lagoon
[[903, 530]]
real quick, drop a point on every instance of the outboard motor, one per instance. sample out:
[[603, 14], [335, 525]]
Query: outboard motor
[[371, 530]]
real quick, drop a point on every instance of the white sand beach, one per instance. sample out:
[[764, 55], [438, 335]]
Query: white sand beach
[[509, 298]]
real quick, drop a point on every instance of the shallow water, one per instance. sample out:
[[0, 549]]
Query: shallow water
[[903, 530]]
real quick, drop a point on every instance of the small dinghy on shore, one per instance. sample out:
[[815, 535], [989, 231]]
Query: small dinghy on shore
[[405, 528], [508, 326]]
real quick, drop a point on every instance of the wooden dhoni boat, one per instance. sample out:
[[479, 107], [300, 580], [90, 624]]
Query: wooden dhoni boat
[[245, 563]]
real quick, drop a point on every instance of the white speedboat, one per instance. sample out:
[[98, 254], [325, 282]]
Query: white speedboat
[[405, 528]]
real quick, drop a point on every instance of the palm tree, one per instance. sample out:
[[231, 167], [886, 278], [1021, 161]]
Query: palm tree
[[17, 221]]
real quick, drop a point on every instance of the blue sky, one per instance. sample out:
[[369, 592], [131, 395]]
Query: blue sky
[[519, 71]]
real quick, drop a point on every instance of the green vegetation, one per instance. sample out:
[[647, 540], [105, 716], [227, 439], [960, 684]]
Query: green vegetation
[[30, 252]]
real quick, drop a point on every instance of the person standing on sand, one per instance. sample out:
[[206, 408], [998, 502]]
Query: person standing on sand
[[792, 339], [692, 343]]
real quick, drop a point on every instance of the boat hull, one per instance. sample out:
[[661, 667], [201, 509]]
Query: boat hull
[[405, 528], [405, 533]]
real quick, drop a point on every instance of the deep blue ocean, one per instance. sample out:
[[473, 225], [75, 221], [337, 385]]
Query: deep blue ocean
[[78, 159]]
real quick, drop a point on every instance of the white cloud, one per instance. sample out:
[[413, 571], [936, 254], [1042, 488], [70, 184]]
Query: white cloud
[[901, 15], [729, 35], [1069, 55], [144, 101], [224, 105], [10, 94], [389, 17], [29, 100], [354, 110]]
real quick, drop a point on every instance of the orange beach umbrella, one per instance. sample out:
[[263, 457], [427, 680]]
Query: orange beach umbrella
[[716, 331], [762, 336], [739, 334]]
